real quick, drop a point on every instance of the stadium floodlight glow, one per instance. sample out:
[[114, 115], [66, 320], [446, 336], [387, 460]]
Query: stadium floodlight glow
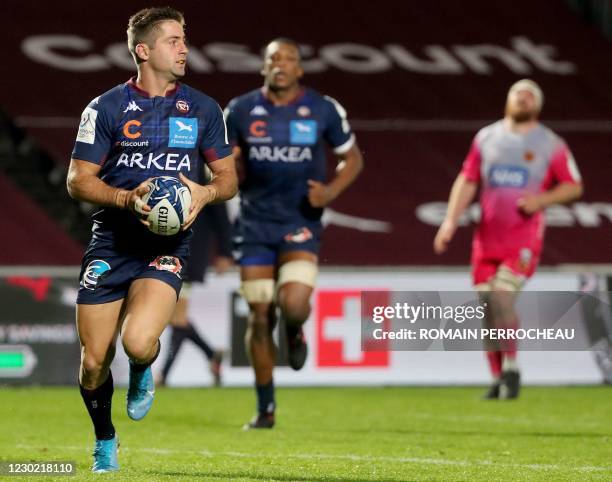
[[16, 361]]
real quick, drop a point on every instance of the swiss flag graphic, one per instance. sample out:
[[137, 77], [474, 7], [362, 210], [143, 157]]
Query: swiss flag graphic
[[338, 320]]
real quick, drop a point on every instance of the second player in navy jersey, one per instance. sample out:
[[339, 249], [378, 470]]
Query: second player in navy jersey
[[283, 145], [281, 135], [130, 278]]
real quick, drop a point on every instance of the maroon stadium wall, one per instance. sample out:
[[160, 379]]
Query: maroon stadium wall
[[417, 78], [29, 236]]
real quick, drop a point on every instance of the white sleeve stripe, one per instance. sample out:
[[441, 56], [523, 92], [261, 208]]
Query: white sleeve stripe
[[224, 126], [339, 109], [342, 149]]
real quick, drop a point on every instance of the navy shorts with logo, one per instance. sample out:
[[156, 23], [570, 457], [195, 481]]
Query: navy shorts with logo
[[106, 274], [260, 242]]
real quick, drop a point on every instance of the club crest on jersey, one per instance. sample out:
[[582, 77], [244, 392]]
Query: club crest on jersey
[[303, 132], [303, 111], [182, 106], [508, 176], [183, 132], [167, 263], [300, 235], [529, 156], [93, 273]]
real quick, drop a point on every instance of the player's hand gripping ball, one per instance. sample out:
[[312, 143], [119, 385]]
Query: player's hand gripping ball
[[169, 200]]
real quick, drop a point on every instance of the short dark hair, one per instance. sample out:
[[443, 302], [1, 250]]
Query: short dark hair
[[142, 23], [284, 40]]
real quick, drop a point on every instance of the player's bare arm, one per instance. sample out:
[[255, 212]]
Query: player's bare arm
[[563, 193], [223, 186], [320, 195], [239, 161], [461, 195], [84, 185]]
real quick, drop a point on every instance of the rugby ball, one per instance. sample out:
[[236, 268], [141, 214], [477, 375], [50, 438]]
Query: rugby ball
[[169, 200]]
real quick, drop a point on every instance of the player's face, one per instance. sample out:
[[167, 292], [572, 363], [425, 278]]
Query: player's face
[[282, 66], [522, 106], [169, 53]]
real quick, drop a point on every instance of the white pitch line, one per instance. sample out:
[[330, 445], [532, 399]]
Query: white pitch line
[[353, 458]]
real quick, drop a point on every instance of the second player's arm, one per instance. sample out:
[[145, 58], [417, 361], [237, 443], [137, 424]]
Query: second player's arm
[[461, 195], [320, 195]]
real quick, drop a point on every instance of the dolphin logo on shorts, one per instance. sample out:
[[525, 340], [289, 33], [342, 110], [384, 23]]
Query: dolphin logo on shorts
[[94, 271]]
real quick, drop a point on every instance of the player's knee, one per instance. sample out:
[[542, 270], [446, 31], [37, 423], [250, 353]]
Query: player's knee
[[259, 294], [94, 364], [259, 325], [483, 291], [502, 306], [258, 334], [258, 291], [506, 280], [300, 271], [140, 349], [296, 280], [295, 307]]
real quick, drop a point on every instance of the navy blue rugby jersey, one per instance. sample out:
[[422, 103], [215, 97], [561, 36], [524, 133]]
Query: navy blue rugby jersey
[[134, 136], [282, 147]]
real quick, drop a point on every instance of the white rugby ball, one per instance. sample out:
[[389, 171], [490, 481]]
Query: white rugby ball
[[169, 200]]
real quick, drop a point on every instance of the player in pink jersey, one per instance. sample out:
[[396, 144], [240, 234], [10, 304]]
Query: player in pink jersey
[[522, 167]]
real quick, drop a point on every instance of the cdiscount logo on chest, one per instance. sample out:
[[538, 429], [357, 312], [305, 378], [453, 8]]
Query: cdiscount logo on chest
[[183, 132]]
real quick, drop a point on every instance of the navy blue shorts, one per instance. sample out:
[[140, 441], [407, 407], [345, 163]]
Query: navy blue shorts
[[106, 274], [260, 243]]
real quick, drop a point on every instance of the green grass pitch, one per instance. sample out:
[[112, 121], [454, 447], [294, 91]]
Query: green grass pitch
[[551, 433]]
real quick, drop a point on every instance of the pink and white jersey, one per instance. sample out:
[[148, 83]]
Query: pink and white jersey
[[508, 165]]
